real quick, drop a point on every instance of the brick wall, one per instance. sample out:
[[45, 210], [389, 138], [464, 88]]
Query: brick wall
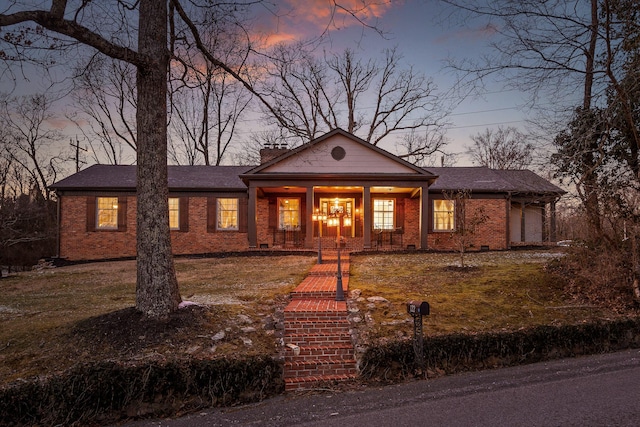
[[492, 233], [411, 223], [76, 243]]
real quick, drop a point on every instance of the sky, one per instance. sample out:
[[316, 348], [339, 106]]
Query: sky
[[420, 32]]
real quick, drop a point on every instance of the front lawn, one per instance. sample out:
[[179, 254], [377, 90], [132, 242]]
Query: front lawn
[[53, 318], [497, 291]]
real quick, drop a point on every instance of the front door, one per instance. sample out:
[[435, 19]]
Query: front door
[[338, 210]]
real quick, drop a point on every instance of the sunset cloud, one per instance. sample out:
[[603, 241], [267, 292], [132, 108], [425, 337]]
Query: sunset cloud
[[293, 21]]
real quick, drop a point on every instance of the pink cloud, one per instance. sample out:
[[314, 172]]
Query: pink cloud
[[295, 21]]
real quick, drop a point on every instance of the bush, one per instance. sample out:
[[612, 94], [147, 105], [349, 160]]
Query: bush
[[464, 352], [108, 391]]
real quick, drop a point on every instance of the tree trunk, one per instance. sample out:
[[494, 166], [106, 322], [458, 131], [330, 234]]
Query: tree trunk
[[157, 292]]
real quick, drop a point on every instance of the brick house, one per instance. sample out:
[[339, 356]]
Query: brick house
[[297, 196]]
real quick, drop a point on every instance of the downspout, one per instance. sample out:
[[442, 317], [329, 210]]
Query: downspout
[[508, 217], [58, 225]]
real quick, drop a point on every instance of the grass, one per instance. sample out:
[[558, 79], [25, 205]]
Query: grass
[[52, 319], [497, 292]]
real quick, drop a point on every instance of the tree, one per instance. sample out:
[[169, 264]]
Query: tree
[[206, 103], [111, 32], [104, 90], [467, 219], [27, 229], [316, 95], [550, 48], [29, 140], [580, 158], [420, 147], [503, 148]]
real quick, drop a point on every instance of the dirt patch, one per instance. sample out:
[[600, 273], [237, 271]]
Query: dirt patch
[[128, 333]]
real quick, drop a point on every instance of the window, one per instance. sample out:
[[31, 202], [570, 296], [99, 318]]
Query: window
[[443, 215], [383, 210], [107, 213], [174, 213], [288, 214], [227, 214]]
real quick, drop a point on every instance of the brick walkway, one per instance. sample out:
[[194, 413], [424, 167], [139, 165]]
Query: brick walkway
[[316, 330]]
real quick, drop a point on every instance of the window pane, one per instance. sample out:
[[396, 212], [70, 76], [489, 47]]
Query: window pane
[[227, 214], [289, 214], [107, 212], [443, 218], [383, 214], [174, 213]]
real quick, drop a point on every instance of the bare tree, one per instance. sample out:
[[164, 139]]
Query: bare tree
[[206, 102], [30, 139], [423, 147], [105, 92], [549, 49], [466, 222], [502, 148], [372, 98], [108, 31]]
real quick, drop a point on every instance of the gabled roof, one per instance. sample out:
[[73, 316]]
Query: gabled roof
[[352, 139], [123, 177], [483, 179]]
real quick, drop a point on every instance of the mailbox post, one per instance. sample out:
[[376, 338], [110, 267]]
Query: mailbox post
[[418, 309]]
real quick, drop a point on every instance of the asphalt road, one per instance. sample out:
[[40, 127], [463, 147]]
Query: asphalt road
[[602, 390]]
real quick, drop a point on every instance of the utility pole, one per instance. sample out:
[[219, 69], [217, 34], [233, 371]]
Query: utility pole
[[78, 148]]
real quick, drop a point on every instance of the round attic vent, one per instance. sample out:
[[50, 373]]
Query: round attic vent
[[338, 153]]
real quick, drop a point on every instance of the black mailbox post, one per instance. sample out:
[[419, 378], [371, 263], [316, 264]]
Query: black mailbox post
[[417, 309]]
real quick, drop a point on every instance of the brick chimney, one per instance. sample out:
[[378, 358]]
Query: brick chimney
[[271, 151]]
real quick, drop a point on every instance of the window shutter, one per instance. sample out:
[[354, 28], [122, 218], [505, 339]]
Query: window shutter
[[273, 213], [211, 214], [184, 214], [243, 215], [122, 214], [91, 213], [400, 213]]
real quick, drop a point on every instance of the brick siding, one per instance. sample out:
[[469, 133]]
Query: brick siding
[[492, 233], [76, 243]]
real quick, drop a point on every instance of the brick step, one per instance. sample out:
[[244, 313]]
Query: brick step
[[313, 295], [301, 383], [316, 309], [310, 327], [306, 339], [329, 270], [319, 355], [313, 368], [315, 283]]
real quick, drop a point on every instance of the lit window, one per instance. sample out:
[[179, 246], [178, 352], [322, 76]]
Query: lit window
[[289, 214], [174, 213], [107, 213], [383, 214], [443, 215], [227, 214]]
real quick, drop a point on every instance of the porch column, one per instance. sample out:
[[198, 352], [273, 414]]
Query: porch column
[[523, 235], [553, 232], [252, 223], [308, 240], [366, 215], [424, 216]]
